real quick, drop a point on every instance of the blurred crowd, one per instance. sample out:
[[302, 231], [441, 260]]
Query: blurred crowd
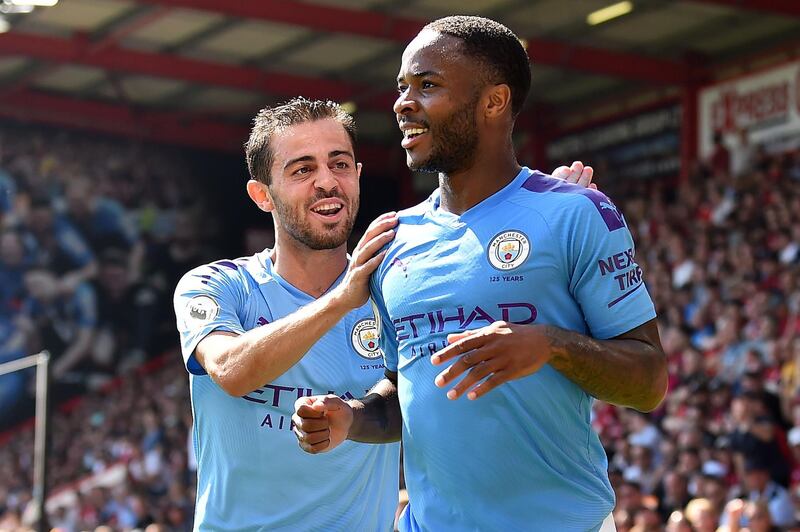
[[94, 235], [721, 256], [140, 425]]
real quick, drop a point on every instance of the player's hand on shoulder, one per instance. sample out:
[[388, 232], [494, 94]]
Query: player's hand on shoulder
[[577, 173], [366, 257], [321, 422], [491, 356]]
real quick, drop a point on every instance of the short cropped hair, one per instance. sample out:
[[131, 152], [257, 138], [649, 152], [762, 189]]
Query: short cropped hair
[[272, 120], [496, 47]]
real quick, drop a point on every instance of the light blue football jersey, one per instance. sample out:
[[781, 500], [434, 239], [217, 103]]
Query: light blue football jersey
[[252, 475], [524, 456]]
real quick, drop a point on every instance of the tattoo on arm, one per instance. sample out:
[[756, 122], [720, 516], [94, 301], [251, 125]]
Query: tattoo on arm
[[629, 370]]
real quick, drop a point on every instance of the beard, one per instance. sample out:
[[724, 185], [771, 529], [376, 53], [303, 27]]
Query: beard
[[297, 224], [454, 142]]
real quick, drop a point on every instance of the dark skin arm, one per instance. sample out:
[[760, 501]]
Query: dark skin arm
[[629, 370], [376, 417], [323, 422]]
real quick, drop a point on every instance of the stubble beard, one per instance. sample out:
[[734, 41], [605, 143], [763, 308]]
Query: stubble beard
[[298, 226], [454, 143]]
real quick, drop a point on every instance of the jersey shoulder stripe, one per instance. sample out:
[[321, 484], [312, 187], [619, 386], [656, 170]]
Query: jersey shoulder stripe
[[243, 270], [543, 184]]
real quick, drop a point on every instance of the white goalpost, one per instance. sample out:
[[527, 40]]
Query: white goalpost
[[42, 362]]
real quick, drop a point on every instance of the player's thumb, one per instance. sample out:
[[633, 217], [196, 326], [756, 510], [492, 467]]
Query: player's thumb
[[328, 403], [304, 403]]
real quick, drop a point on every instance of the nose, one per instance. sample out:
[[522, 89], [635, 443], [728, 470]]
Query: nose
[[325, 180], [405, 103]]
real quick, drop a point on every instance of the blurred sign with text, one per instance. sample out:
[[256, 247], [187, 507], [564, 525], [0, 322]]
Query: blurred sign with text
[[645, 145], [766, 104]]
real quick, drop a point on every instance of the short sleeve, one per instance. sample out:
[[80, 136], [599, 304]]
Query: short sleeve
[[386, 330], [206, 299], [606, 281]]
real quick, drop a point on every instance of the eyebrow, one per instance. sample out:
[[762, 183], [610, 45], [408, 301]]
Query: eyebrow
[[308, 158], [336, 153], [419, 75]]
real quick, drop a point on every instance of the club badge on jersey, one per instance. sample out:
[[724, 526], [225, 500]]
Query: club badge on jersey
[[364, 338], [508, 250]]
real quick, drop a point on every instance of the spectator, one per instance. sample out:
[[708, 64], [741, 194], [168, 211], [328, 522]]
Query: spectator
[[793, 439], [759, 518], [14, 333], [673, 494], [181, 253], [755, 438], [59, 248], [742, 156], [8, 192], [15, 330], [12, 269], [760, 487], [642, 469], [647, 520], [701, 515], [127, 311], [677, 522], [712, 488], [720, 156], [101, 221], [768, 403], [755, 516], [629, 500], [65, 322]]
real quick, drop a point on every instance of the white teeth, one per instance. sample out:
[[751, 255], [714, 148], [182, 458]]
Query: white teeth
[[415, 131], [326, 207]]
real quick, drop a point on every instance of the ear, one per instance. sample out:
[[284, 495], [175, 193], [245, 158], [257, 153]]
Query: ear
[[259, 193], [497, 100]]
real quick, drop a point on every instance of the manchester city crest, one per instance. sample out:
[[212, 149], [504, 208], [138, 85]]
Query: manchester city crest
[[364, 338], [508, 250]]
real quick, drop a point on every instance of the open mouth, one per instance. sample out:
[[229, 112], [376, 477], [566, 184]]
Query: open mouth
[[411, 136], [328, 209]]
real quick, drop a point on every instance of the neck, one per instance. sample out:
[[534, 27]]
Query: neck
[[309, 270], [492, 169]]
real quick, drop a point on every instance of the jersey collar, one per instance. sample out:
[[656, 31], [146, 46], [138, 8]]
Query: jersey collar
[[480, 208]]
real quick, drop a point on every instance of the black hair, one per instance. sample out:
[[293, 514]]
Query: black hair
[[503, 56]]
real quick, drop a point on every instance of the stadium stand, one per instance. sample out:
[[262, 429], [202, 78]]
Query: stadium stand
[[90, 245], [720, 255], [95, 231]]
